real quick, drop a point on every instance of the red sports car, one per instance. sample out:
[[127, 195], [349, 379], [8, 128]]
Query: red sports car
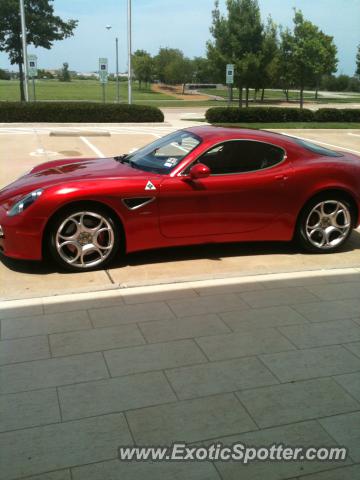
[[198, 185]]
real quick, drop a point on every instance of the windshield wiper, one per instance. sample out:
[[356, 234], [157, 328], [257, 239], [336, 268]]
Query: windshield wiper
[[122, 158]]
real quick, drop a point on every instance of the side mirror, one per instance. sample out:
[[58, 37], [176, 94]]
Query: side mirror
[[199, 171]]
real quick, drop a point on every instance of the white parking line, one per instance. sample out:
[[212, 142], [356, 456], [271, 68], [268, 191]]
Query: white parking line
[[92, 147], [354, 134], [322, 143]]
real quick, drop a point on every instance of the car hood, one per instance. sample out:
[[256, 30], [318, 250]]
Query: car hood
[[63, 171]]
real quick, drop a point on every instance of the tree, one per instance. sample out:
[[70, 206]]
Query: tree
[[4, 75], [238, 40], [268, 58], [202, 71], [327, 58], [163, 58], [219, 52], [357, 71], [284, 69], [42, 73], [64, 75], [311, 53], [43, 28], [179, 70], [143, 66]]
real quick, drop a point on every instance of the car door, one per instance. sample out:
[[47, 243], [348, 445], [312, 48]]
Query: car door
[[245, 192]]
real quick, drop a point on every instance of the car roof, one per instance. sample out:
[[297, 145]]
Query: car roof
[[217, 134]]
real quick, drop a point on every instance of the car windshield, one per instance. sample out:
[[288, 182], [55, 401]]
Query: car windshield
[[163, 155], [317, 149]]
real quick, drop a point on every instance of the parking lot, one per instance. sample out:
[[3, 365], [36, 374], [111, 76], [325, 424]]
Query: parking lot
[[25, 146], [247, 343]]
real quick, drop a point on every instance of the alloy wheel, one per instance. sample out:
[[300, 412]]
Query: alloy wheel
[[328, 224], [85, 239]]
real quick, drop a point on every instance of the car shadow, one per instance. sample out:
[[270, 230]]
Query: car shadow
[[217, 251], [213, 251]]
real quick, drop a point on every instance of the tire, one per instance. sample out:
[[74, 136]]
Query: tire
[[325, 223], [83, 239]]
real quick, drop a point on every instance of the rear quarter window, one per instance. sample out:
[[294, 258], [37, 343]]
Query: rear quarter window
[[311, 147]]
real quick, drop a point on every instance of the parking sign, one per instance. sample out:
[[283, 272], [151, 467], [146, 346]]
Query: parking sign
[[230, 71], [32, 66], [103, 70]]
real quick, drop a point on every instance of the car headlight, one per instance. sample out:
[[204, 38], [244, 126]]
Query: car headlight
[[24, 202]]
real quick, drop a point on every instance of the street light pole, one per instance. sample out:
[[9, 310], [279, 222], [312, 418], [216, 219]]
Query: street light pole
[[117, 72], [129, 54], [24, 48], [109, 27]]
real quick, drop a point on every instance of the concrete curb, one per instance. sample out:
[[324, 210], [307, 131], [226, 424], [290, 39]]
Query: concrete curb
[[116, 291]]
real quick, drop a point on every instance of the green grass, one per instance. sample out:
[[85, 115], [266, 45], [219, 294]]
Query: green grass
[[278, 95], [290, 125], [85, 90], [90, 90]]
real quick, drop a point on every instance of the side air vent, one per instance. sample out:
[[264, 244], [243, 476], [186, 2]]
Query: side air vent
[[135, 203]]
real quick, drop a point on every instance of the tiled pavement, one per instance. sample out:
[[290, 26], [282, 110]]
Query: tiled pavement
[[263, 362]]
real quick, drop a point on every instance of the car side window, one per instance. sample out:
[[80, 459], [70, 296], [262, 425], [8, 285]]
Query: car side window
[[241, 156]]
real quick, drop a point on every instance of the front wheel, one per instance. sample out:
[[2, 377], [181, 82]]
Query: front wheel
[[325, 224], [82, 239]]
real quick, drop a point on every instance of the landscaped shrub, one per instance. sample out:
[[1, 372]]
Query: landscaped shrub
[[329, 115], [280, 115], [78, 112], [351, 114], [258, 114]]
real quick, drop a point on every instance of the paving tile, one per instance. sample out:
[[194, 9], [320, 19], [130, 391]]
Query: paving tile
[[132, 299], [52, 372], [116, 470], [112, 316], [262, 318], [295, 402], [337, 291], [53, 447], [311, 363], [327, 311], [96, 339], [354, 348], [204, 305], [44, 324], [24, 311], [153, 357], [351, 383], [345, 429], [316, 278], [219, 377], [23, 350], [277, 296], [230, 288], [190, 421], [58, 475], [326, 333], [222, 347], [345, 473], [77, 305], [28, 409], [189, 327], [306, 434], [114, 395]]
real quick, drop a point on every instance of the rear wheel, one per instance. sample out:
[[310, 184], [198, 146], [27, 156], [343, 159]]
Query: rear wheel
[[325, 224], [82, 239]]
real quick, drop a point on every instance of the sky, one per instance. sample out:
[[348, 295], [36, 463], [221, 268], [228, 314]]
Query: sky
[[180, 24]]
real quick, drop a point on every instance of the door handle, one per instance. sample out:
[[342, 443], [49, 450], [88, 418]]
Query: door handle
[[281, 178]]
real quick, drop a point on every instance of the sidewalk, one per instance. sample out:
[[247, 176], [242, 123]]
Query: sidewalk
[[259, 360]]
